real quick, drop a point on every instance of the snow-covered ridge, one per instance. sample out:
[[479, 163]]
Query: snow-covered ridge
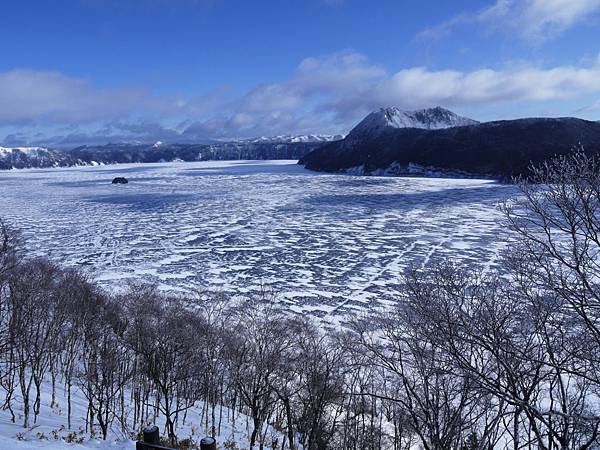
[[21, 157], [429, 119], [296, 138], [27, 150], [279, 147]]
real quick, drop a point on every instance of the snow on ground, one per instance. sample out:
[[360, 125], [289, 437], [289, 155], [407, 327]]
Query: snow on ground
[[12, 443], [50, 429], [330, 244]]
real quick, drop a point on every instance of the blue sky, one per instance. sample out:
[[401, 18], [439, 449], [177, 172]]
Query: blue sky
[[93, 71]]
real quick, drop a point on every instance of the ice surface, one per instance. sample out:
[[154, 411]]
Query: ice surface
[[330, 244]]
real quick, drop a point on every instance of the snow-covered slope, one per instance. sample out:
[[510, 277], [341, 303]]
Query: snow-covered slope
[[50, 429], [429, 119]]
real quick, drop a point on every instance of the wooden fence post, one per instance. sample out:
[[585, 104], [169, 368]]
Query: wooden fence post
[[151, 435], [208, 443], [150, 440]]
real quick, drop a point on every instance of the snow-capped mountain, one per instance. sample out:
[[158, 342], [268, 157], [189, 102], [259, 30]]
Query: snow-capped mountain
[[428, 119], [292, 139]]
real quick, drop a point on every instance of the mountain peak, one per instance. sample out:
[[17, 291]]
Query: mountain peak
[[393, 117]]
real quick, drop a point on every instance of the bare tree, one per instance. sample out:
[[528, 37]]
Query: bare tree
[[164, 335], [34, 326], [511, 347], [259, 337], [9, 244], [321, 368], [9, 248], [441, 404], [556, 267], [81, 303], [557, 218], [105, 367]]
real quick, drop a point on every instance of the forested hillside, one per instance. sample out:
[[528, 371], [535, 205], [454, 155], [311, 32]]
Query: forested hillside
[[494, 149]]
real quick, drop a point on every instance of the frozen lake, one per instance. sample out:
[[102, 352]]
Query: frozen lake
[[328, 243]]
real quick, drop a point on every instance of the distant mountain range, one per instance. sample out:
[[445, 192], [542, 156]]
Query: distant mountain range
[[437, 142], [278, 147], [389, 141]]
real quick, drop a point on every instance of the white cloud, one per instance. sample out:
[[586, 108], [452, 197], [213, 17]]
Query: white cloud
[[543, 19], [49, 97], [534, 20], [324, 95], [490, 86], [28, 95]]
